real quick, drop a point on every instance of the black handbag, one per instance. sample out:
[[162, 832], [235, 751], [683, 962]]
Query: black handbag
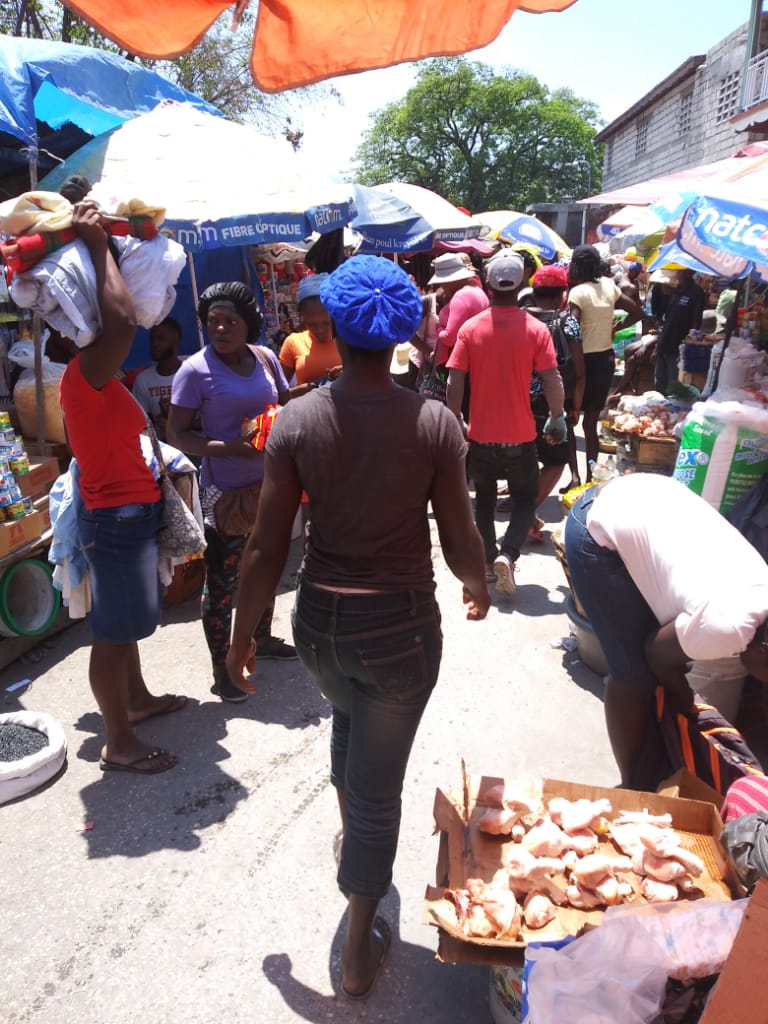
[[434, 384]]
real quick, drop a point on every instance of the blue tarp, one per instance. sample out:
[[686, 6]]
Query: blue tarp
[[60, 83]]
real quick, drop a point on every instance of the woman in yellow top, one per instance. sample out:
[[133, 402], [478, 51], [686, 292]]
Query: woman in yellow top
[[311, 354], [592, 301]]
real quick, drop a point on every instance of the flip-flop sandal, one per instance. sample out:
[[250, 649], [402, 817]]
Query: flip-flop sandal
[[338, 840], [133, 766], [173, 702], [382, 932]]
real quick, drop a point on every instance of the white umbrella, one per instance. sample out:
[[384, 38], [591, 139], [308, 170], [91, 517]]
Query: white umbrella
[[220, 183]]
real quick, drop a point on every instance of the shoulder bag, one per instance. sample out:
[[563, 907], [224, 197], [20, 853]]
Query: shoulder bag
[[434, 384], [180, 535]]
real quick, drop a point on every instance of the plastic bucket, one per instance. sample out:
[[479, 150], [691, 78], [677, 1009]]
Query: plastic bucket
[[720, 683], [590, 651], [28, 601]]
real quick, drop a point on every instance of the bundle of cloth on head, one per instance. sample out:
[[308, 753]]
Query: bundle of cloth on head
[[309, 287], [373, 302], [51, 271]]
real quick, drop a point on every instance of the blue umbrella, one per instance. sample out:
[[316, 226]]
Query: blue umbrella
[[524, 229], [398, 217], [727, 235]]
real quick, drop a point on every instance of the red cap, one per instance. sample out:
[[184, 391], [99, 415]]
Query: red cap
[[550, 277]]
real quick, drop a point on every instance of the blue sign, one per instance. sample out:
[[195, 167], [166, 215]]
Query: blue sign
[[728, 236]]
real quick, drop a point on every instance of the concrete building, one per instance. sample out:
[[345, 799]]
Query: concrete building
[[706, 109]]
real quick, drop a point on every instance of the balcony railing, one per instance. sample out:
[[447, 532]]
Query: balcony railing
[[756, 87]]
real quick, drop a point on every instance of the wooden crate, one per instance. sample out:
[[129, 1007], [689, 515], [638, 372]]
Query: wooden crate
[[187, 582], [653, 451]]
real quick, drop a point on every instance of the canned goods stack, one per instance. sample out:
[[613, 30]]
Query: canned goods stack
[[14, 462]]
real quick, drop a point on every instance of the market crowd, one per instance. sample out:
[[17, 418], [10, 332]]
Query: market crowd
[[390, 401]]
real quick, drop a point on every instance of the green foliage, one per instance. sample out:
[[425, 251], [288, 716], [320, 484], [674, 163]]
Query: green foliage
[[483, 139]]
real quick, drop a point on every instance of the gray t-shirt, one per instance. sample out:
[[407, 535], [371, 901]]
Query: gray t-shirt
[[367, 463]]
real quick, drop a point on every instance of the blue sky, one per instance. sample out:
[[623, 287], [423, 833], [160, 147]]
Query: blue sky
[[608, 51]]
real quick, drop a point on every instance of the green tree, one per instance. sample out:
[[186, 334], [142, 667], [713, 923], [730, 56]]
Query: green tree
[[483, 139]]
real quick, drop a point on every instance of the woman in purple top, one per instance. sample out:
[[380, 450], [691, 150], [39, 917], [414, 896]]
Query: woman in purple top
[[225, 383]]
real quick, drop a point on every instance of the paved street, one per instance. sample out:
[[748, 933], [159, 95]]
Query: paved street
[[208, 893]]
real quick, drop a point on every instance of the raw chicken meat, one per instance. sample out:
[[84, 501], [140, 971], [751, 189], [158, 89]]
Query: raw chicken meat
[[522, 864], [545, 839], [661, 841], [498, 821], [581, 898], [502, 796], [590, 870], [538, 910], [662, 869], [692, 863], [583, 841], [487, 911], [608, 891], [642, 818], [658, 892], [576, 815]]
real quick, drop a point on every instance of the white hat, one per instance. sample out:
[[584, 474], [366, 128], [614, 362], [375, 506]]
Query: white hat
[[504, 272], [450, 267]]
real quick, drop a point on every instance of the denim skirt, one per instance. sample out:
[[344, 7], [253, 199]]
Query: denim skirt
[[120, 546]]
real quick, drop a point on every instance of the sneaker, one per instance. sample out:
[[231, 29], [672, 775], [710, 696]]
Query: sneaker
[[225, 689], [504, 569], [275, 649]]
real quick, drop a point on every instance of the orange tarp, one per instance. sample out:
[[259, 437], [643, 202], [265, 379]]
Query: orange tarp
[[298, 42]]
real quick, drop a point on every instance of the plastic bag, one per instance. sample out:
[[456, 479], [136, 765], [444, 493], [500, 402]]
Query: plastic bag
[[619, 971], [723, 450], [25, 393]]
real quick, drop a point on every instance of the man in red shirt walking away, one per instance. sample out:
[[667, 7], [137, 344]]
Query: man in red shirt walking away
[[500, 348]]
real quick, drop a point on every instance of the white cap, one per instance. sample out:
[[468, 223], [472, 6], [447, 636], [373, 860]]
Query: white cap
[[504, 271]]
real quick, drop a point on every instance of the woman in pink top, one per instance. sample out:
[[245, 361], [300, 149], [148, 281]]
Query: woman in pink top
[[463, 298]]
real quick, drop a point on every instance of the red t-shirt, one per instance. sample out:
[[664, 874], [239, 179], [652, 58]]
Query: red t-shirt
[[103, 428], [500, 348]]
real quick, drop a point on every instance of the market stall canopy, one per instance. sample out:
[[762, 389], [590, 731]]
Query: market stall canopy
[[671, 257], [399, 217], [623, 219], [220, 183], [727, 232], [747, 161], [657, 225], [60, 84], [523, 231], [298, 42]]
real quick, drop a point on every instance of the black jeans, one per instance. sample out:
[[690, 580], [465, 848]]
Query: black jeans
[[518, 465], [376, 658]]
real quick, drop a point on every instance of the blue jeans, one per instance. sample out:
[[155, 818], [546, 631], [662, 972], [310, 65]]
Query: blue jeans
[[518, 465], [617, 611], [376, 658]]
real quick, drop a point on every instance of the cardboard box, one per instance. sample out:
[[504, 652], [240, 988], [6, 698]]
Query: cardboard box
[[19, 532], [741, 993], [43, 506], [687, 785], [466, 852], [43, 470]]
